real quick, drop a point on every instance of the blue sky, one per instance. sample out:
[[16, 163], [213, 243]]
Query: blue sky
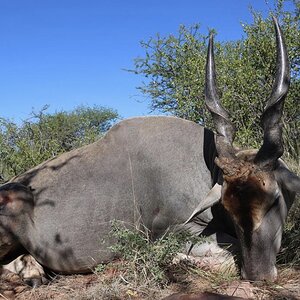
[[67, 53]]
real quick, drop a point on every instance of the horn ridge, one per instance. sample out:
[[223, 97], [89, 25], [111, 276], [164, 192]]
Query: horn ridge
[[224, 127], [272, 147]]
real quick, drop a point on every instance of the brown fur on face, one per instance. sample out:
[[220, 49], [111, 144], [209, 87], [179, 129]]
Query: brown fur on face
[[248, 192]]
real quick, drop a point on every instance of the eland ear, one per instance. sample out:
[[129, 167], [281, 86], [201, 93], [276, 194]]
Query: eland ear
[[213, 196], [288, 179]]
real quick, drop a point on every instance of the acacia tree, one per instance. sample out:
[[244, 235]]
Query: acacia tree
[[174, 66], [46, 135]]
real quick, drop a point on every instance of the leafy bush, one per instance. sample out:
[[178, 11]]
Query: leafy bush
[[45, 136], [174, 68]]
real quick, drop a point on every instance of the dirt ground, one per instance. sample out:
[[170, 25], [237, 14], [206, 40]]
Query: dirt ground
[[112, 285]]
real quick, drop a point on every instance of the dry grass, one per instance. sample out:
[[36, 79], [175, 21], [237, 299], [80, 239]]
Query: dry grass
[[184, 277]]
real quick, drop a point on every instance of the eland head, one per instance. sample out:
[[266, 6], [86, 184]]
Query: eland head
[[256, 183]]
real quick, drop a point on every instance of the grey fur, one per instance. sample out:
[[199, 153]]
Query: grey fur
[[148, 171]]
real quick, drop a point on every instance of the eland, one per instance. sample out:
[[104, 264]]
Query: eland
[[159, 172]]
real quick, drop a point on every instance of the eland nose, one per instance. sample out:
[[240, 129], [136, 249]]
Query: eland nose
[[260, 276]]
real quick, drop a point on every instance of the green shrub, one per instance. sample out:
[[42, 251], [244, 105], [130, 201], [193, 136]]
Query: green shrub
[[146, 262], [45, 135], [174, 71]]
